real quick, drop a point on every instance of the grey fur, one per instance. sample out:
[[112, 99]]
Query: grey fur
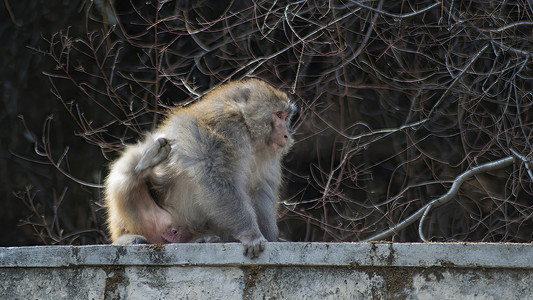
[[214, 169]]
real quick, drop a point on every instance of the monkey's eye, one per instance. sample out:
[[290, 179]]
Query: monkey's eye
[[279, 114]]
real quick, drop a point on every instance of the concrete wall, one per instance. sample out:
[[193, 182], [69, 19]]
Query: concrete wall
[[283, 271]]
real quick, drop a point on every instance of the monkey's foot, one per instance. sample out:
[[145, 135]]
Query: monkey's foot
[[130, 239], [209, 239], [155, 154]]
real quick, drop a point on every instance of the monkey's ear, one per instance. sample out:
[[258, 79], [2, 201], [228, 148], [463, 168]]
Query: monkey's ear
[[293, 108], [243, 95]]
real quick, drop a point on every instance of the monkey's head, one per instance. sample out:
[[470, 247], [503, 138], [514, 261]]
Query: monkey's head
[[267, 113]]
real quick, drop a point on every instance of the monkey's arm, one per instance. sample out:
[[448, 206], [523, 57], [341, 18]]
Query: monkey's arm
[[265, 202], [221, 169], [229, 207]]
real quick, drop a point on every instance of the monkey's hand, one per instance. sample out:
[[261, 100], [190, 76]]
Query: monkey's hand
[[253, 244], [155, 154]]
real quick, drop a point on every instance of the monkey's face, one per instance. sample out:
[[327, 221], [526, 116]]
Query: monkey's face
[[282, 114], [279, 136], [267, 112]]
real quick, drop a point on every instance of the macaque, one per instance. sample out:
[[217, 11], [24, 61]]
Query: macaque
[[210, 171]]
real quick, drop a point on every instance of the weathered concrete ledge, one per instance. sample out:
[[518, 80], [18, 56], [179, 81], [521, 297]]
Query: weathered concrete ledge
[[284, 270], [465, 255]]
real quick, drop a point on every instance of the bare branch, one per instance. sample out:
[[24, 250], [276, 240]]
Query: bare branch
[[502, 163]]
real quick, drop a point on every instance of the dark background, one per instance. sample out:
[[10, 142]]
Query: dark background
[[396, 99]]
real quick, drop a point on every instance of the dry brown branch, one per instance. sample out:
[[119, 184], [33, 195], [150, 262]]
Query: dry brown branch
[[422, 212], [395, 97]]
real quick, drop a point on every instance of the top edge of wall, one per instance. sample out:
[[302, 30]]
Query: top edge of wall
[[378, 254]]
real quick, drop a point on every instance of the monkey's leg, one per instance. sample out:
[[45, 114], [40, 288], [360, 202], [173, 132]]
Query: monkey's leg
[[154, 155]]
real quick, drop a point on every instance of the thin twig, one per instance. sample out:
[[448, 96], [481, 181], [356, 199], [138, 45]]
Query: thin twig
[[502, 163], [526, 161]]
